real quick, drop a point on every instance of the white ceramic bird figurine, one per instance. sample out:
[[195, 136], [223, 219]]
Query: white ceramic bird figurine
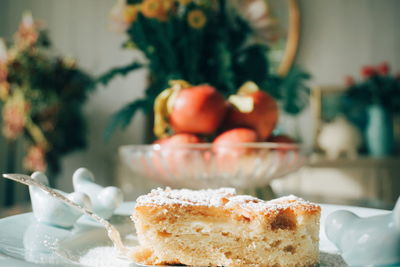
[[50, 210], [340, 137], [104, 199], [369, 241]]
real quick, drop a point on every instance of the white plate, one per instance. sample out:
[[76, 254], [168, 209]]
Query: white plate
[[24, 242]]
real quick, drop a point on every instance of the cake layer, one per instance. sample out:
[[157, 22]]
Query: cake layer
[[220, 228]]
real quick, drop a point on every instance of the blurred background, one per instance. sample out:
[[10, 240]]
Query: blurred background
[[335, 41]]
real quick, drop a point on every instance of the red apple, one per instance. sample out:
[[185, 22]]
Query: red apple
[[283, 149], [173, 156], [235, 136], [160, 141], [229, 142], [179, 139], [253, 108], [230, 149], [189, 109], [199, 109]]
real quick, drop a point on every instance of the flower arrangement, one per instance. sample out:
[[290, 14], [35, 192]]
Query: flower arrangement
[[373, 104], [377, 87], [41, 97], [202, 42]]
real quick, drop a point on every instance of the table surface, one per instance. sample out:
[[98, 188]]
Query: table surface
[[14, 210], [361, 161]]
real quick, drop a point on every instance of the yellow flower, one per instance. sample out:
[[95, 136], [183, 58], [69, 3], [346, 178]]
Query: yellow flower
[[157, 8], [168, 5], [197, 19], [130, 13], [153, 9]]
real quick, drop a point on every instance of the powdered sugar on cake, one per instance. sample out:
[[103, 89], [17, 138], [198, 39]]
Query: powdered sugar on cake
[[186, 197], [217, 198]]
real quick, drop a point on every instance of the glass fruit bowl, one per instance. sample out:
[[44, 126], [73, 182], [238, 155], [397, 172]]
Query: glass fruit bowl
[[198, 166]]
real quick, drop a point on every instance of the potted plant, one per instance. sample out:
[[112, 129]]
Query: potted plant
[[372, 102], [41, 98]]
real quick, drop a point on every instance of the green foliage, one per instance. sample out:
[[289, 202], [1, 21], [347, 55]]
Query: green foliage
[[124, 116], [124, 70], [294, 92]]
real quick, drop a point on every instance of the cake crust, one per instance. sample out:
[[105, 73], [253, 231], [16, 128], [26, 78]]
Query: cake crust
[[220, 228]]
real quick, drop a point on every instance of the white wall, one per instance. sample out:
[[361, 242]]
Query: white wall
[[338, 36]]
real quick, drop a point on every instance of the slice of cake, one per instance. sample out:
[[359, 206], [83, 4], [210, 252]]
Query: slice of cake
[[220, 228]]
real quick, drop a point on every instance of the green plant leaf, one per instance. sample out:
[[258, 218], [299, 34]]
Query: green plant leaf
[[124, 116], [252, 65], [295, 93], [124, 70]]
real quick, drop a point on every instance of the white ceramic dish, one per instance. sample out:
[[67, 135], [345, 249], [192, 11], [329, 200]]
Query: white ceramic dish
[[26, 243]]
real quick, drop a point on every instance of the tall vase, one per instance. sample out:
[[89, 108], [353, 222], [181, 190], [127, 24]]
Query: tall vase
[[379, 132]]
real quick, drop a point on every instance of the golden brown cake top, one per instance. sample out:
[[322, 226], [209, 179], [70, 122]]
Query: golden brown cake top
[[223, 197]]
